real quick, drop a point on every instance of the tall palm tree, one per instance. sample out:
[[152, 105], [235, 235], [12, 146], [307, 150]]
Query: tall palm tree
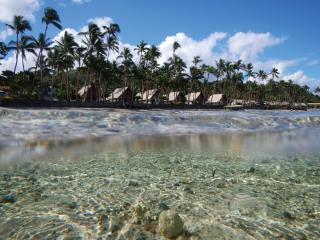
[[93, 41], [67, 47], [112, 30], [41, 43], [24, 45], [262, 75], [175, 46], [50, 16], [19, 26], [112, 45], [274, 73], [78, 57], [142, 48]]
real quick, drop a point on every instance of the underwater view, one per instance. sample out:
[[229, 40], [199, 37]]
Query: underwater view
[[159, 174]]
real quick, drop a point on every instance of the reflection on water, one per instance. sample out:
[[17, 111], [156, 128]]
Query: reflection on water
[[239, 182]]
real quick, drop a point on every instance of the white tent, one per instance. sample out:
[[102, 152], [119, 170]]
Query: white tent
[[215, 99], [117, 93]]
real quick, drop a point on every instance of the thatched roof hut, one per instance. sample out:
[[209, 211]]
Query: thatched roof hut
[[217, 99], [88, 93], [120, 94], [175, 97], [150, 96], [195, 98]]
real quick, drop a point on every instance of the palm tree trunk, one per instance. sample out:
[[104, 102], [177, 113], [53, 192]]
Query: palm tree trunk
[[17, 53], [23, 76]]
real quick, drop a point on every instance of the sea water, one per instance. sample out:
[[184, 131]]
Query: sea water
[[108, 174]]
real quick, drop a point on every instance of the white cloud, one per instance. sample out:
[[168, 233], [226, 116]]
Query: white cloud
[[100, 21], [26, 8], [5, 33], [80, 1], [313, 62], [300, 78], [247, 46], [190, 47]]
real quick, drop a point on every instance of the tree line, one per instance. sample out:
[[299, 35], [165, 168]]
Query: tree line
[[66, 66]]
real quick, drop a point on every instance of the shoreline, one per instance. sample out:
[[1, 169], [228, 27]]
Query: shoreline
[[139, 106]]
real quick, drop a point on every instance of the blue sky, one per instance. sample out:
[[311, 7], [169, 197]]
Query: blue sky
[[273, 33]]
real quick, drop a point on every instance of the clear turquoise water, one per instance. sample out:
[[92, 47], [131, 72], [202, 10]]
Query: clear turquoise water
[[76, 174]]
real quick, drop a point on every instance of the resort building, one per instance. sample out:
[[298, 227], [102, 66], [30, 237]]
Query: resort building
[[195, 98], [176, 97], [150, 96], [217, 99], [123, 95], [88, 93]]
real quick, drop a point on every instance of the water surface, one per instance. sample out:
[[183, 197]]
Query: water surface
[[71, 174]]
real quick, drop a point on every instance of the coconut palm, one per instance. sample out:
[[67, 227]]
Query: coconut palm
[[67, 47], [41, 43], [93, 41], [274, 73], [24, 46], [175, 46], [262, 75], [19, 26], [50, 16], [112, 30], [112, 45]]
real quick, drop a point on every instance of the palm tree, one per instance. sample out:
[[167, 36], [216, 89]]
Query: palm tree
[[112, 45], [67, 47], [127, 63], [19, 26], [50, 16], [175, 46], [93, 41], [152, 56], [142, 48], [112, 30], [41, 43], [24, 45], [262, 75], [274, 73]]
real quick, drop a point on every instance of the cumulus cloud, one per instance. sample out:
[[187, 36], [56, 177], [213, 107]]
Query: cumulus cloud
[[26, 8], [5, 33], [247, 46], [190, 47], [300, 78]]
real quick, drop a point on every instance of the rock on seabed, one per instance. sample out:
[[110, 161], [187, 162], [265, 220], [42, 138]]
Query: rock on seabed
[[170, 224]]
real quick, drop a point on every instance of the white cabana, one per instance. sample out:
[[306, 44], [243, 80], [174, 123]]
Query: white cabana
[[216, 99], [83, 90], [175, 97], [120, 94], [149, 96], [194, 97]]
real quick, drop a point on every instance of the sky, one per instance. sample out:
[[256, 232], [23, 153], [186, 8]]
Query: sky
[[268, 33]]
